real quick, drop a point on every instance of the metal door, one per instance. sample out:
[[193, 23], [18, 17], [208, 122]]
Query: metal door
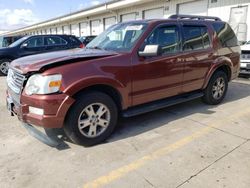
[[238, 22]]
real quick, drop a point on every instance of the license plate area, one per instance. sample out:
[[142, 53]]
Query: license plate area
[[248, 66]]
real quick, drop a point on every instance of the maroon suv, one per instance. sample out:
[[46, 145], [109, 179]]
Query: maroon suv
[[130, 69]]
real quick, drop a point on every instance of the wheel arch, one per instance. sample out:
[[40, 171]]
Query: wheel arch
[[104, 88], [114, 89], [224, 65]]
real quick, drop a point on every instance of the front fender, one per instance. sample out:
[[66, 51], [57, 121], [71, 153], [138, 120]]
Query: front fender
[[219, 62], [83, 83]]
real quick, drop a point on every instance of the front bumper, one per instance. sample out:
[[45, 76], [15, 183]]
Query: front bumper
[[55, 109]]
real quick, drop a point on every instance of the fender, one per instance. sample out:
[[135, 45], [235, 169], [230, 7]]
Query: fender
[[86, 82], [219, 62]]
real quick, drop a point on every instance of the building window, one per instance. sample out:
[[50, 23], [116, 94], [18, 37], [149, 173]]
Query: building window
[[214, 1]]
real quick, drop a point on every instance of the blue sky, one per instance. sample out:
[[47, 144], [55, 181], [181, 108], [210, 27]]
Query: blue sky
[[19, 13]]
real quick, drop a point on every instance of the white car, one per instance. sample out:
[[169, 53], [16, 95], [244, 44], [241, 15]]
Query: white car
[[245, 59]]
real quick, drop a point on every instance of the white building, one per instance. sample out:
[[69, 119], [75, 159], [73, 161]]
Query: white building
[[94, 20]]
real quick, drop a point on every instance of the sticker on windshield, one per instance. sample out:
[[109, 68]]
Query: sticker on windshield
[[134, 27]]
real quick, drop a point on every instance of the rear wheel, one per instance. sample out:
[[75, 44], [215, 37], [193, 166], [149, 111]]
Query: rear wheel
[[4, 66], [216, 89], [92, 119]]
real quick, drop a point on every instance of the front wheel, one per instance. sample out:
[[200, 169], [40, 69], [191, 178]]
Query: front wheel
[[216, 89], [92, 119], [4, 66]]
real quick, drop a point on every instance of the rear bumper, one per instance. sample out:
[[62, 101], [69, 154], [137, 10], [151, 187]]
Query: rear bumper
[[55, 109]]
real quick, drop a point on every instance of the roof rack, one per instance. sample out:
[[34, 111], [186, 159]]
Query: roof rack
[[194, 17]]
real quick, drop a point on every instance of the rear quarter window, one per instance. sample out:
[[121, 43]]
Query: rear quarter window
[[225, 34]]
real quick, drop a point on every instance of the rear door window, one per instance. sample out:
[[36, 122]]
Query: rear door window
[[225, 34], [54, 41], [195, 38]]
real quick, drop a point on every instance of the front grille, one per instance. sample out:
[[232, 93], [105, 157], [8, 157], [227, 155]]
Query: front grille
[[245, 56], [15, 81]]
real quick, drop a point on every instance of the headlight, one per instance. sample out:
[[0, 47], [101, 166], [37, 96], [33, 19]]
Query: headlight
[[38, 84]]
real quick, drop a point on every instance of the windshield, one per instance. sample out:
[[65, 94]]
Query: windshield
[[248, 42], [19, 41], [121, 37]]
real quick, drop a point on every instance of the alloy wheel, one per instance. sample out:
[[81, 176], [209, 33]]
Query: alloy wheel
[[94, 120], [218, 88], [4, 67]]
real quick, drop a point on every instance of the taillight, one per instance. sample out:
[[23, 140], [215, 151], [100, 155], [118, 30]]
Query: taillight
[[82, 46]]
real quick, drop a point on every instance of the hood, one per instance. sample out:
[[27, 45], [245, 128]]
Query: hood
[[37, 62], [245, 47]]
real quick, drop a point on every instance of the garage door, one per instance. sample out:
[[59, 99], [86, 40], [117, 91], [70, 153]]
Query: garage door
[[48, 31], [95, 27], [59, 30], [84, 29], [53, 31], [109, 22], [153, 13], [75, 30], [128, 17], [195, 8], [66, 30]]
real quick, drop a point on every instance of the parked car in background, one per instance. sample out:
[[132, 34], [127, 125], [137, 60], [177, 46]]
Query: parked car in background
[[131, 68], [5, 41], [245, 59], [30, 45], [87, 39]]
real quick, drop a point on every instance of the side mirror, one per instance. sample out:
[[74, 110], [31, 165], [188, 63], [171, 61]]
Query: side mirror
[[150, 51], [24, 45]]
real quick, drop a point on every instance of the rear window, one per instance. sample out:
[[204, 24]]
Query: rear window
[[225, 34], [195, 38]]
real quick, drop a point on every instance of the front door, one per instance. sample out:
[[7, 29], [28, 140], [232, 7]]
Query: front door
[[161, 76], [34, 45]]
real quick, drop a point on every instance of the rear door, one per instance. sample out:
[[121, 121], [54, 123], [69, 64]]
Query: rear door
[[198, 55], [31, 46]]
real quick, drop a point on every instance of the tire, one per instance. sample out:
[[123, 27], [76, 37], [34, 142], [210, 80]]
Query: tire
[[217, 86], [84, 129], [4, 63]]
